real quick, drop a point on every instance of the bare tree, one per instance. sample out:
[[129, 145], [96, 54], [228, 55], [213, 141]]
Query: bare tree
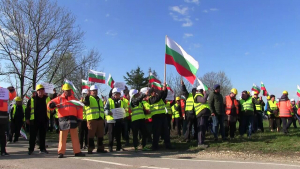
[[35, 34], [174, 82], [212, 78]]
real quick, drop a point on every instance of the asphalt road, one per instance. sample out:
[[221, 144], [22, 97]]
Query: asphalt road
[[19, 159]]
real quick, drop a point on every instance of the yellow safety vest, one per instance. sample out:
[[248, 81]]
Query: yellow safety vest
[[15, 109], [175, 112], [83, 112], [189, 104], [199, 106], [273, 106], [92, 111], [126, 106], [32, 108], [168, 106], [112, 106], [56, 111], [158, 108], [147, 107], [137, 113], [247, 105], [258, 106]]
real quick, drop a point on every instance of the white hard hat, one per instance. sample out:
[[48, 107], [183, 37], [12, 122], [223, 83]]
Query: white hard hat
[[84, 91], [292, 100], [132, 92], [93, 87], [144, 89], [199, 87], [116, 90]]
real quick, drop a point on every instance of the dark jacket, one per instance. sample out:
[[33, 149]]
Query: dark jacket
[[136, 101], [259, 102], [19, 115], [215, 102], [40, 110], [203, 100], [162, 95]]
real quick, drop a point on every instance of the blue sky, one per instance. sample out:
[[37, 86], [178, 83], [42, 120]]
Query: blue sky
[[252, 41]]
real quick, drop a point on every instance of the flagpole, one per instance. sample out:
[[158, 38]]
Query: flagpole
[[165, 62]]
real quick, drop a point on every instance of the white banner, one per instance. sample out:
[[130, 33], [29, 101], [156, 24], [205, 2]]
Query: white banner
[[170, 95], [120, 85], [118, 113], [4, 94], [48, 88]]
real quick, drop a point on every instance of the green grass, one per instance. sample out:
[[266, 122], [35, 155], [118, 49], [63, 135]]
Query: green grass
[[266, 143]]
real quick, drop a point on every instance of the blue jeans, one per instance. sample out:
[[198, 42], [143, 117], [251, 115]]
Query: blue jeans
[[247, 121], [218, 121]]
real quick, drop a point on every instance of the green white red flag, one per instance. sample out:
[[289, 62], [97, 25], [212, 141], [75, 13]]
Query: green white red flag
[[156, 85], [66, 81], [76, 103], [97, 77], [298, 91], [255, 88], [110, 81], [153, 78], [169, 88], [263, 88], [23, 133], [85, 84], [184, 63], [204, 87]]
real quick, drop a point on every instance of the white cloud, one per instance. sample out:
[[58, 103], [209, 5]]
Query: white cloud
[[187, 22], [213, 9], [247, 53], [111, 33], [192, 1], [187, 35], [107, 15], [197, 45], [182, 11], [205, 11]]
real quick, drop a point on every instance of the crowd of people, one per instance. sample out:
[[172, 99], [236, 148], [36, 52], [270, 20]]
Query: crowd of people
[[148, 115]]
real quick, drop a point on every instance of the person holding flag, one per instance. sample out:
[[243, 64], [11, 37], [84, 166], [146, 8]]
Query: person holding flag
[[294, 113], [70, 116], [258, 117]]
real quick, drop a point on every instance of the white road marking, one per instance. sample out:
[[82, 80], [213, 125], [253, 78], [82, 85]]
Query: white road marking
[[107, 162], [153, 167], [235, 162]]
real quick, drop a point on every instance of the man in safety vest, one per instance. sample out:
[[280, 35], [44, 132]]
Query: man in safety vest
[[216, 105], [83, 129], [248, 110], [189, 112], [148, 115], [202, 112], [126, 120], [114, 125], [3, 124], [177, 114], [285, 109], [138, 118], [37, 116], [17, 115], [232, 111], [159, 118], [169, 104], [294, 113], [70, 115], [258, 117], [273, 113], [95, 120]]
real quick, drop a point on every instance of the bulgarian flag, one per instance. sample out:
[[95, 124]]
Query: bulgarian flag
[[27, 96], [255, 88], [23, 133], [204, 87], [66, 81], [263, 88], [152, 79], [156, 85], [110, 81], [184, 63], [298, 91], [97, 77], [85, 84], [76, 103], [169, 88]]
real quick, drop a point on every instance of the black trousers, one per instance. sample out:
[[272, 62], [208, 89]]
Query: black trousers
[[286, 123], [3, 137], [39, 129], [178, 122], [83, 133], [230, 125], [115, 132], [139, 126], [294, 120], [258, 121], [15, 128], [169, 118], [201, 125], [51, 122], [149, 131], [192, 121], [125, 130], [160, 123]]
